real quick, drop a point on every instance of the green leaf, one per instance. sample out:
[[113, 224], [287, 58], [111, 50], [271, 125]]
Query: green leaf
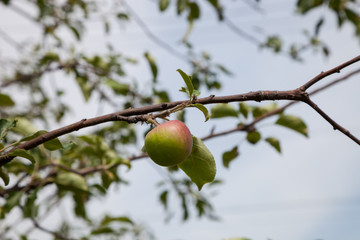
[[24, 127], [34, 135], [244, 109], [221, 110], [200, 165], [108, 219], [6, 101], [194, 11], [79, 204], [253, 137], [12, 200], [180, 6], [260, 111], [22, 153], [163, 4], [293, 122], [30, 208], [223, 69], [187, 80], [5, 126], [274, 142], [53, 144], [164, 199], [85, 87], [118, 88], [71, 181], [304, 6], [229, 156], [203, 109], [4, 175], [152, 64], [102, 230]]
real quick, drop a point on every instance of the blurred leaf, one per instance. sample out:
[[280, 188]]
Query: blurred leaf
[[221, 110], [223, 69], [274, 142], [318, 26], [180, 115], [152, 64], [294, 123], [4, 175], [71, 181], [6, 101], [181, 6], [194, 11], [12, 200], [203, 109], [253, 137], [259, 111], [187, 80], [122, 16], [53, 144], [34, 135], [22, 153], [30, 209], [107, 219], [79, 207], [200, 165], [244, 109], [102, 230], [118, 88], [49, 57], [164, 198], [304, 6], [5, 126], [274, 43], [24, 127], [85, 87], [229, 156], [163, 4]]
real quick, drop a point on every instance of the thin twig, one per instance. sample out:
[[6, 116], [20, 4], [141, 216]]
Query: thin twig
[[335, 125], [328, 73]]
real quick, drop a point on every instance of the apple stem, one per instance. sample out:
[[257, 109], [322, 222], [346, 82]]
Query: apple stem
[[153, 121]]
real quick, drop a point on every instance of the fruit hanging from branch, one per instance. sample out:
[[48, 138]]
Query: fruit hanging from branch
[[169, 143]]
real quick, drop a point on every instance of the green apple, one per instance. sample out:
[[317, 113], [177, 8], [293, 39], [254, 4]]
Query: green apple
[[169, 143]]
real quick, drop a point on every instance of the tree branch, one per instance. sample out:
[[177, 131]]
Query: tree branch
[[134, 115]]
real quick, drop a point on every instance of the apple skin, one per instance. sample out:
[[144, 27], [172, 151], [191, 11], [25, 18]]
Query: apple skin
[[169, 143]]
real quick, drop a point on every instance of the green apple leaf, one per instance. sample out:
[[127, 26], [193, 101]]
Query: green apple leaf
[[71, 181], [253, 137], [108, 219], [5, 126], [6, 101], [200, 165], [163, 4], [4, 176], [228, 156], [274, 142], [203, 109], [294, 123], [244, 109], [152, 64], [22, 153], [223, 110], [187, 81], [53, 144], [259, 111]]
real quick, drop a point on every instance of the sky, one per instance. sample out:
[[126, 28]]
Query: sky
[[309, 191]]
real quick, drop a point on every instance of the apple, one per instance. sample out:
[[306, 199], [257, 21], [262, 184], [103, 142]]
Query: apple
[[169, 143]]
